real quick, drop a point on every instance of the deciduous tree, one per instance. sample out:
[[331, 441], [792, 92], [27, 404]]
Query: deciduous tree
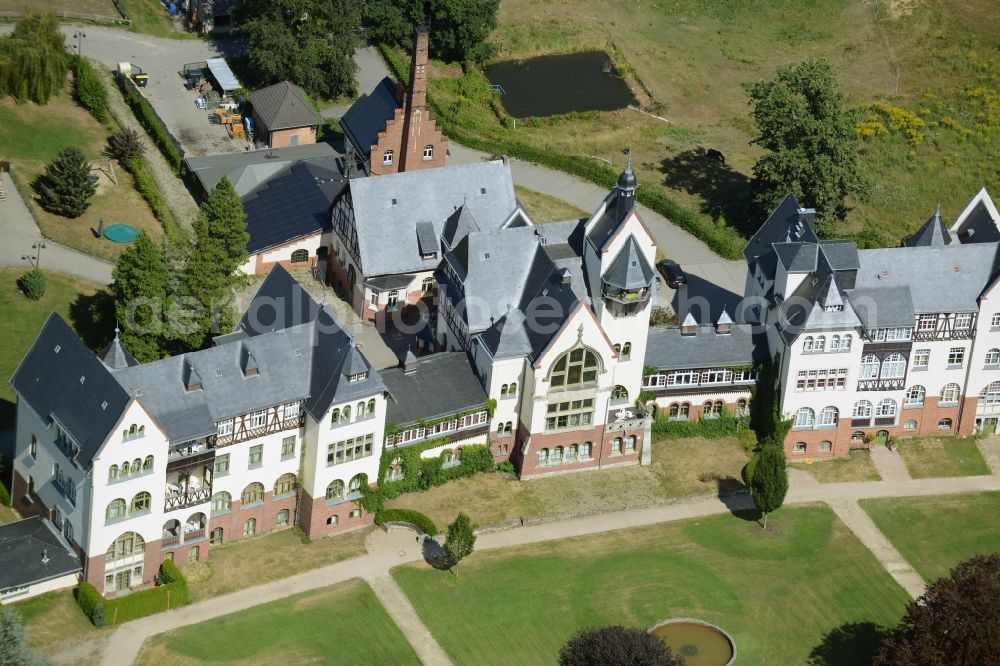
[[32, 60], [955, 623], [811, 143], [460, 29], [622, 646], [65, 187], [769, 479], [459, 540]]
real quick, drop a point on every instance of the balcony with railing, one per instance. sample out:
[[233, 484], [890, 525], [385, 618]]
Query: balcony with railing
[[245, 429], [176, 533], [186, 489], [625, 301], [190, 454]]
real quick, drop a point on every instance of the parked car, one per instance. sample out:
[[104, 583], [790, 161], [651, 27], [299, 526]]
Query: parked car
[[672, 273]]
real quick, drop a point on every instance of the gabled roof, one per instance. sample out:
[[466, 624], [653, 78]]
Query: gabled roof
[[978, 222], [62, 380], [279, 303], [797, 257], [667, 349], [21, 553], [283, 106], [432, 386], [291, 204], [629, 270], [391, 206], [933, 233], [458, 225], [786, 223], [842, 255], [248, 170], [369, 114]]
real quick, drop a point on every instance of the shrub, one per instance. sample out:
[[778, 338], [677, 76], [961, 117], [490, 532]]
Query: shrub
[[507, 467], [125, 145], [171, 591], [423, 473], [147, 187], [723, 426], [91, 603], [625, 646], [407, 516], [33, 284], [90, 90]]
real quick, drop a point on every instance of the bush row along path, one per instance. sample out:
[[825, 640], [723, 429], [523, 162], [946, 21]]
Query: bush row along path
[[398, 546]]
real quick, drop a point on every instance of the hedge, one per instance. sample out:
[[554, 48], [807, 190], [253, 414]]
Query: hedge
[[90, 90], [146, 186], [423, 473], [158, 132], [407, 516], [723, 426], [724, 241], [171, 591]]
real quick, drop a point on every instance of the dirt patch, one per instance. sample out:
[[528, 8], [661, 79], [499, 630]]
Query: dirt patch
[[897, 8]]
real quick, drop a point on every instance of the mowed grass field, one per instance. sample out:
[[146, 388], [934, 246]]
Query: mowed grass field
[[31, 135], [936, 533], [929, 457], [343, 624], [682, 467], [105, 8], [690, 61], [857, 466], [778, 593]]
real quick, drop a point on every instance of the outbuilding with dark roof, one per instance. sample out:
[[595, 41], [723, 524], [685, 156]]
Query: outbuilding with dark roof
[[34, 558], [283, 116]]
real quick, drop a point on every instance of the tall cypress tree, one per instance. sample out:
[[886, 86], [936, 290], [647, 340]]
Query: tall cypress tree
[[769, 482], [140, 298], [220, 247], [65, 187]]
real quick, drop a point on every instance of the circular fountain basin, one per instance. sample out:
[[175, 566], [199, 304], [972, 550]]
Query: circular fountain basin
[[700, 643]]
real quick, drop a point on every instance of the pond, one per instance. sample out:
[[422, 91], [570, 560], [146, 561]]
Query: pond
[[549, 85], [700, 643]]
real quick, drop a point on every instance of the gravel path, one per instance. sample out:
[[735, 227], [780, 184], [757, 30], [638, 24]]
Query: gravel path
[[179, 200]]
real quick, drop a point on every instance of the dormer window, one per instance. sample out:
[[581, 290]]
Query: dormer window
[[357, 377]]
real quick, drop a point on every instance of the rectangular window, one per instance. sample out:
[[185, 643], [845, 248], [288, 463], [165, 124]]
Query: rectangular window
[[393, 299], [349, 449], [287, 447], [570, 414], [33, 448], [291, 411], [222, 465], [921, 358], [373, 298], [995, 321], [927, 322], [256, 455], [963, 321], [257, 419], [224, 427], [956, 356]]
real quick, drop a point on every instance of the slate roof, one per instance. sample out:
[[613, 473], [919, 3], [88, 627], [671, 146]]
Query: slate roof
[[797, 257], [292, 204], [21, 546], [431, 195], [787, 222], [60, 379], [842, 255], [248, 170], [979, 226], [431, 387], [666, 348], [506, 338], [283, 106], [883, 306], [279, 303], [115, 356], [369, 114], [458, 225], [933, 233], [629, 270]]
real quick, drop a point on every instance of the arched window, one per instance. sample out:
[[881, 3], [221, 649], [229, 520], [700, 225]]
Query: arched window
[[805, 418], [335, 490], [950, 393], [358, 481], [808, 343], [216, 537], [886, 407], [147, 464], [298, 256], [845, 343], [630, 444], [627, 350], [427, 286], [619, 392], [282, 519], [116, 509], [825, 446], [113, 473], [193, 554], [820, 344], [799, 447], [250, 527], [285, 485], [345, 415], [574, 368], [335, 417], [835, 343], [828, 416], [616, 446], [717, 408], [543, 456], [395, 470], [503, 390], [571, 452], [991, 394], [944, 424], [857, 436], [508, 427], [914, 396], [685, 410], [869, 366], [333, 520], [585, 450], [862, 409], [618, 349], [512, 390], [557, 454], [126, 545], [371, 406], [140, 502], [993, 357], [136, 466], [360, 410], [252, 494], [894, 366], [706, 409], [673, 411], [123, 471], [742, 407], [221, 502]]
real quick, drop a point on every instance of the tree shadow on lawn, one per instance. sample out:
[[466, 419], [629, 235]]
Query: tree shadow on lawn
[[851, 644], [725, 192], [435, 555], [735, 496]]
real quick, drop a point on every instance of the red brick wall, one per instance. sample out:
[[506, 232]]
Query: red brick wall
[[600, 455], [282, 138], [265, 513], [313, 514]]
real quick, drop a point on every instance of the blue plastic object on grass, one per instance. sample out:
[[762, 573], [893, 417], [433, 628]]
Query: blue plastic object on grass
[[121, 233]]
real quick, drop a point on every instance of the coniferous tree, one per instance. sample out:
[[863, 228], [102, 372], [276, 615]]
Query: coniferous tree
[[459, 540], [14, 650], [65, 187], [220, 247], [140, 289], [769, 481]]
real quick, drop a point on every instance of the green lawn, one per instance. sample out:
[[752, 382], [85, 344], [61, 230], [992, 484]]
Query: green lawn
[[54, 622], [777, 593], [546, 208], [150, 17], [942, 456], [23, 318], [936, 533], [343, 624], [857, 466]]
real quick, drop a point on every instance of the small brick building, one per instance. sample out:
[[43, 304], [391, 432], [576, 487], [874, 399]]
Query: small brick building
[[283, 117]]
